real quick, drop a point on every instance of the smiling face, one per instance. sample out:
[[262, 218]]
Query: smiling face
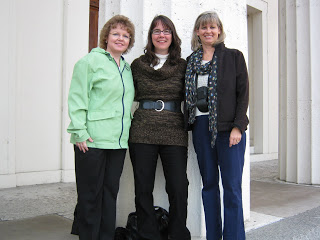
[[208, 33], [161, 42], [118, 40]]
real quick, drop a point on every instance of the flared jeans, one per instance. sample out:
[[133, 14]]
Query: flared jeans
[[231, 162]]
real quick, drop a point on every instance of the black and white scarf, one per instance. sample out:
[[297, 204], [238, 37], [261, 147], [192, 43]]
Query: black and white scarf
[[195, 67]]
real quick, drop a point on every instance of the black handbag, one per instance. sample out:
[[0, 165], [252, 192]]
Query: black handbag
[[130, 232], [163, 221], [122, 233]]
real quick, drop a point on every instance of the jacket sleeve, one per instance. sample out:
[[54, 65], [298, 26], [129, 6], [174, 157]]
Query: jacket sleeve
[[78, 100], [242, 90], [133, 70]]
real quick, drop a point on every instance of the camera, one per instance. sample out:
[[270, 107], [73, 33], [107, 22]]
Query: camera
[[202, 99]]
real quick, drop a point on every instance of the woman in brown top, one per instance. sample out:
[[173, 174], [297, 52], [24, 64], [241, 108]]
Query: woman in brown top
[[158, 129]]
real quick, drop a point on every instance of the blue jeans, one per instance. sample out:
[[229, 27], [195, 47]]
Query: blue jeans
[[231, 161]]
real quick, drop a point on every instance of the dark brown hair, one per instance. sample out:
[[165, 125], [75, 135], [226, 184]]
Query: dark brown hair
[[174, 49]]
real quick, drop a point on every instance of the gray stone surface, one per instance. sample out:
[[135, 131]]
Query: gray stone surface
[[30, 201], [299, 227], [48, 227], [271, 196], [282, 199], [278, 210], [296, 205], [266, 171]]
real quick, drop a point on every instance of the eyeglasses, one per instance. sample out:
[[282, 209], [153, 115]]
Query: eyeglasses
[[117, 36], [158, 32]]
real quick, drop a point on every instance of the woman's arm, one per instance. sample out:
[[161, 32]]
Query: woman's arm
[[242, 93], [78, 101], [242, 98]]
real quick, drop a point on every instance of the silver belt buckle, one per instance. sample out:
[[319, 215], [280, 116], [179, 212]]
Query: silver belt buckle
[[162, 103]]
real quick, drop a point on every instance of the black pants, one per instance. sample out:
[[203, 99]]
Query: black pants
[[98, 174], [174, 161]]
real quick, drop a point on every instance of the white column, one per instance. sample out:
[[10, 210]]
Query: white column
[[34, 88], [75, 46], [184, 26], [183, 13], [299, 90], [315, 86], [7, 94]]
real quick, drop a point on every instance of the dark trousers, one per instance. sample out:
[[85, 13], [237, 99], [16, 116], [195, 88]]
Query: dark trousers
[[98, 174], [174, 161], [231, 161]]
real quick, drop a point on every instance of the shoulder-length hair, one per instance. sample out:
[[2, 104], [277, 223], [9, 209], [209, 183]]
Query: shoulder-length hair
[[113, 22], [203, 19], [174, 49]]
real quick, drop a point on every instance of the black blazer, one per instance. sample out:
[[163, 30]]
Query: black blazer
[[232, 89]]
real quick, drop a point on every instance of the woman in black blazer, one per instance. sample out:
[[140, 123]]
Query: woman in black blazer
[[217, 95]]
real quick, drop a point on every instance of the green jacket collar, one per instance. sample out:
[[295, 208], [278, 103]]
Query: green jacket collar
[[122, 60]]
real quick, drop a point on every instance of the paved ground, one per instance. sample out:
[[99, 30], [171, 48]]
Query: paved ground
[[282, 211], [278, 210]]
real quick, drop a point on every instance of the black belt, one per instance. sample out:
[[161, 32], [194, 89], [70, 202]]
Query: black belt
[[159, 105]]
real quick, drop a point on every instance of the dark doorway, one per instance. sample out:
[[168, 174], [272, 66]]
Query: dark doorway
[[93, 24]]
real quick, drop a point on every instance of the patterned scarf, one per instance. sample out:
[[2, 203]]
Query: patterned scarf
[[195, 67]]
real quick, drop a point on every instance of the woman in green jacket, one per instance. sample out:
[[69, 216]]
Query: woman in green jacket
[[100, 100]]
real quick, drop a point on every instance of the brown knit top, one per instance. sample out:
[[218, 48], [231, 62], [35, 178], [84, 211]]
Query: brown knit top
[[166, 84]]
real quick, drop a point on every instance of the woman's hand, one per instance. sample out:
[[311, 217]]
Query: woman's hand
[[235, 137], [83, 145]]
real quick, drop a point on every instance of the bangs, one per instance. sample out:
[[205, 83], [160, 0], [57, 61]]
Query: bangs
[[165, 25], [163, 21], [122, 25], [208, 19]]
